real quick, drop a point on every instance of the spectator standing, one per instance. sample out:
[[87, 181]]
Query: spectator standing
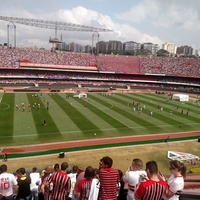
[[79, 178], [61, 183], [109, 179], [46, 190], [84, 186], [8, 183], [73, 177], [95, 186], [35, 182], [24, 181], [153, 187], [56, 167], [175, 181], [121, 191], [133, 177]]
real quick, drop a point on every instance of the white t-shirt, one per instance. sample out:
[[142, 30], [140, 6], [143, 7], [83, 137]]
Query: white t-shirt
[[176, 185], [35, 178], [73, 177], [94, 190], [133, 178], [7, 181]]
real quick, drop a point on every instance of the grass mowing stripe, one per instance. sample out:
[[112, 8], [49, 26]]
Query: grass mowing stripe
[[78, 118], [182, 117], [91, 111], [184, 105], [159, 115], [104, 116], [133, 117], [24, 125], [39, 115], [168, 100], [7, 118], [63, 122]]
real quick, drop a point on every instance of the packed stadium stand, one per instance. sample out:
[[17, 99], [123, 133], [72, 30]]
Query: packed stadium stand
[[56, 71], [119, 64], [39, 66]]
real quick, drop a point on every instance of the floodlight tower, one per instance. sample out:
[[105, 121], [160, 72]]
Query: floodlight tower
[[95, 35], [10, 26], [48, 24]]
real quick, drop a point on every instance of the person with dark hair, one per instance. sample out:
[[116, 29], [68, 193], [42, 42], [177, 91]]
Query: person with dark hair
[[175, 181], [9, 187], [84, 186], [121, 191], [95, 186], [61, 183], [24, 181], [134, 176], [56, 167], [153, 187], [109, 179]]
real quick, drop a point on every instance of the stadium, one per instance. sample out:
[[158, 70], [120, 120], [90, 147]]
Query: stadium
[[55, 96]]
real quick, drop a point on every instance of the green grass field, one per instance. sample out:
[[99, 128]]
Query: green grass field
[[107, 116]]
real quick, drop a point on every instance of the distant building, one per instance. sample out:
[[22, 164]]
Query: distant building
[[103, 47], [185, 51], [131, 46], [152, 48], [170, 47], [114, 47], [197, 53], [65, 46], [88, 49]]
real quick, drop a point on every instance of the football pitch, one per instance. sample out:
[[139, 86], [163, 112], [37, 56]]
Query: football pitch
[[100, 115]]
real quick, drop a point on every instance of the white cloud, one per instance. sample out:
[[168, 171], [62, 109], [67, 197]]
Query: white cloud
[[140, 12], [78, 15], [155, 21]]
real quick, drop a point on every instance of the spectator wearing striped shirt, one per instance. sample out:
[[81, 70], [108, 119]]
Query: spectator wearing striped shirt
[[109, 180], [61, 183], [84, 186], [153, 187]]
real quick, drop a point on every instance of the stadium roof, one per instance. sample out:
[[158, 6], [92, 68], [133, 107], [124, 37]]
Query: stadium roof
[[53, 24]]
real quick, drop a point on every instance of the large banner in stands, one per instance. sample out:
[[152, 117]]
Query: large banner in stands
[[49, 66]]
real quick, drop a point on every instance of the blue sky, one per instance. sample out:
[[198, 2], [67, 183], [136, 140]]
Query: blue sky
[[156, 21]]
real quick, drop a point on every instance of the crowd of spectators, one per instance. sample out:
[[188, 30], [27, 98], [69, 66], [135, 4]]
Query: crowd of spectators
[[11, 58], [170, 66], [49, 77], [62, 182], [185, 67], [119, 64]]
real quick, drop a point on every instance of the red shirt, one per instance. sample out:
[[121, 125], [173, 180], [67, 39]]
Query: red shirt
[[84, 187], [109, 179], [61, 185], [151, 190]]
